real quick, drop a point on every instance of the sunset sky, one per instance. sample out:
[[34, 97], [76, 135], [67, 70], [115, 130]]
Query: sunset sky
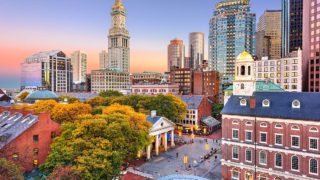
[[30, 26]]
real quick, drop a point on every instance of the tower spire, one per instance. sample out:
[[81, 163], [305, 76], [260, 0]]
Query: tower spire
[[118, 5]]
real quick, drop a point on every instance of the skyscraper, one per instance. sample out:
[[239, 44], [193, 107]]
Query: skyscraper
[[292, 18], [268, 36], [232, 30], [79, 65], [196, 49], [51, 70], [119, 51], [103, 59], [176, 52]]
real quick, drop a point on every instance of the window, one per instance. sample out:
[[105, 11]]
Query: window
[[266, 103], [313, 166], [248, 135], [263, 124], [242, 86], [235, 175], [263, 137], [313, 129], [278, 126], [15, 156], [249, 70], [35, 151], [295, 128], [313, 143], [35, 163], [235, 122], [263, 158], [295, 163], [278, 139], [263, 178], [296, 104], [295, 141], [235, 152], [243, 70], [278, 160], [53, 135], [35, 138], [243, 102], [248, 123], [248, 155], [235, 134]]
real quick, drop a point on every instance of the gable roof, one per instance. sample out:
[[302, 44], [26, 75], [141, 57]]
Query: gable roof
[[280, 106], [193, 102], [153, 120]]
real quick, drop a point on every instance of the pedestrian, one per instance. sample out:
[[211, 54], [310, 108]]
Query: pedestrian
[[215, 157], [213, 140], [177, 155]]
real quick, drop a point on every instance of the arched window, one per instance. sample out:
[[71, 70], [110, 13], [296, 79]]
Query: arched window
[[313, 129], [263, 157], [278, 126], [313, 169], [266, 103], [243, 102], [242, 86], [277, 178], [238, 70], [248, 123], [295, 163], [248, 155], [263, 124], [243, 70], [278, 160], [249, 70], [235, 175], [296, 104], [235, 122], [295, 128]]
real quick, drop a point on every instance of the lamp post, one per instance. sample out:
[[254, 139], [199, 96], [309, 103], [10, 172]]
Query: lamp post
[[206, 146], [185, 161], [192, 137]]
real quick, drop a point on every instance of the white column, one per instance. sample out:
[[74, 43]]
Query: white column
[[172, 138], [165, 141], [157, 144], [148, 152]]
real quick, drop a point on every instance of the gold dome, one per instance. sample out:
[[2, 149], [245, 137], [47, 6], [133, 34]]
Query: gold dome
[[118, 5], [245, 56]]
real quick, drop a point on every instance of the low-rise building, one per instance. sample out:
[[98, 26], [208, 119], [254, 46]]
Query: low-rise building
[[155, 89], [102, 80], [148, 78]]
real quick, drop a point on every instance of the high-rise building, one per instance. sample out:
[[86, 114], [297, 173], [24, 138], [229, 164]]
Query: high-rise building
[[268, 36], [50, 70], [196, 49], [103, 59], [119, 51], [79, 66], [292, 21], [182, 77], [232, 30], [176, 53], [311, 44]]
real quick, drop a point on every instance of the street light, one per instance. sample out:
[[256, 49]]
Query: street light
[[206, 146], [185, 160], [192, 137]]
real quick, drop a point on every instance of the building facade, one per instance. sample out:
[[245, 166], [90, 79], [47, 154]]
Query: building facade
[[155, 89], [103, 80], [148, 78], [79, 66], [51, 70], [311, 44], [206, 83], [268, 36], [182, 77], [285, 72], [103, 59], [232, 30], [176, 53], [196, 49], [292, 23], [119, 40]]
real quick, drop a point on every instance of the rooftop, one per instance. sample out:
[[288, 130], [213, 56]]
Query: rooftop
[[41, 95], [193, 102]]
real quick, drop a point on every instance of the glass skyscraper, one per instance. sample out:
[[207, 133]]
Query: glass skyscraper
[[232, 31]]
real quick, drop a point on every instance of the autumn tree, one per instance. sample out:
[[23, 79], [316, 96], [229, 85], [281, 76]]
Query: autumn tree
[[70, 99], [64, 173], [110, 93], [69, 112], [9, 170], [44, 106], [23, 96], [97, 101], [137, 102]]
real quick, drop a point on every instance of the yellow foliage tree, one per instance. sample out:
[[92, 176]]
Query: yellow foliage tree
[[69, 112], [23, 95], [44, 106]]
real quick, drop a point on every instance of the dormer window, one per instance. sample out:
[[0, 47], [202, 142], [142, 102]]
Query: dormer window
[[243, 102], [266, 103], [296, 104]]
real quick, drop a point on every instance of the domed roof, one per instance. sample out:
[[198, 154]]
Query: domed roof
[[42, 95], [245, 56]]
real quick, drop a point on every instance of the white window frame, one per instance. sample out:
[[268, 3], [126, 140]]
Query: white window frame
[[296, 170], [235, 122], [275, 139], [233, 136], [235, 178], [233, 152], [317, 143], [266, 158], [275, 161], [248, 123], [298, 141], [312, 131], [266, 125], [295, 129], [317, 167], [246, 135], [245, 152], [266, 138], [275, 126]]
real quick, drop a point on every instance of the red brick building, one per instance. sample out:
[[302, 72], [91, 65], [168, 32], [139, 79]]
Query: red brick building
[[25, 138], [271, 135], [182, 77]]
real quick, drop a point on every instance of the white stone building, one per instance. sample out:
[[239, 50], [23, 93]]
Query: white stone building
[[155, 89], [102, 80], [79, 66]]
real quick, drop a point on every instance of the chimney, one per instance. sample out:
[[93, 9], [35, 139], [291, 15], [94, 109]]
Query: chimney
[[253, 102], [153, 113]]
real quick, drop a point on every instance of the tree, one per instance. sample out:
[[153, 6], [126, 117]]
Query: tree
[[23, 95], [216, 111], [64, 173], [44, 106], [110, 93], [70, 99], [98, 101], [137, 102], [98, 110], [9, 170], [69, 112]]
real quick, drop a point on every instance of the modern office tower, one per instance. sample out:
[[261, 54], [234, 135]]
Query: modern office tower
[[119, 51], [103, 59], [232, 30], [285, 72], [268, 36], [187, 62], [103, 79], [50, 70], [79, 66], [176, 52], [196, 49], [292, 21], [311, 44]]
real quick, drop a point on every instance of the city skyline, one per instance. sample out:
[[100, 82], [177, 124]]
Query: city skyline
[[84, 27]]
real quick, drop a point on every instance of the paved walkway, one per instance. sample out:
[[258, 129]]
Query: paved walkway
[[168, 163]]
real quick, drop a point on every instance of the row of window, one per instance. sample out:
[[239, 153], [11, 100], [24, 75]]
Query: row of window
[[278, 162]]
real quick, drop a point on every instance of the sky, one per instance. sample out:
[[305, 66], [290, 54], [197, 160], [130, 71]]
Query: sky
[[30, 26]]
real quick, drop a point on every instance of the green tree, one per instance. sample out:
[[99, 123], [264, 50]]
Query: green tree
[[9, 170], [216, 111], [110, 93], [137, 102], [70, 99]]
